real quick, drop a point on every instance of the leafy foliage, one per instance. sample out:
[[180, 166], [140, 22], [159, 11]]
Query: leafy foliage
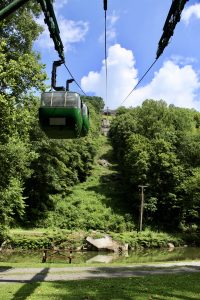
[[157, 146], [20, 71], [48, 182]]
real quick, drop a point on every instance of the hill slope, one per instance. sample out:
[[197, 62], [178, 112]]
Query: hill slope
[[96, 203]]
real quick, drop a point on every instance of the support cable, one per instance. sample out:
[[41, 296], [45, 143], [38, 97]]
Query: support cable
[[11, 8], [139, 81], [105, 50], [51, 21], [173, 17], [74, 79]]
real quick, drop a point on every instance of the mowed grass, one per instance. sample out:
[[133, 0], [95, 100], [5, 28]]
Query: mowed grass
[[163, 287]]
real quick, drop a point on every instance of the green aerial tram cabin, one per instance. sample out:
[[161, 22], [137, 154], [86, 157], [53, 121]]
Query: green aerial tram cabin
[[62, 114]]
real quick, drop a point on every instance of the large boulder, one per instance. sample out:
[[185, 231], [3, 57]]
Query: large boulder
[[105, 243]]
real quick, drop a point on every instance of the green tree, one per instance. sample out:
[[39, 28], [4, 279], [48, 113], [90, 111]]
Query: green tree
[[191, 200], [20, 71], [158, 145]]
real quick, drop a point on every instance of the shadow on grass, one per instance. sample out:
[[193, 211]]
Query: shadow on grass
[[179, 287], [5, 268], [26, 290], [163, 286]]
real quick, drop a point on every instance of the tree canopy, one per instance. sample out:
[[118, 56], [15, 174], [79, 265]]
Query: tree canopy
[[154, 145], [35, 172], [158, 146]]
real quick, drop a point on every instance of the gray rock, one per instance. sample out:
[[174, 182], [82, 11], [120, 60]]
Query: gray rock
[[170, 246], [105, 243], [103, 162]]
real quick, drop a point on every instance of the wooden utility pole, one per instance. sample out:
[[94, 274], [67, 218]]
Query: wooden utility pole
[[141, 205]]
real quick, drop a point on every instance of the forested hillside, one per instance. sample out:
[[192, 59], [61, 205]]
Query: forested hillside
[[61, 183], [36, 172], [159, 146]]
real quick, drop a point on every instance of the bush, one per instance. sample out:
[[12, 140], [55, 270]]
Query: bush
[[60, 239], [147, 239]]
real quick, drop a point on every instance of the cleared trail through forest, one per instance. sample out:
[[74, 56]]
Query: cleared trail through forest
[[100, 197], [8, 275]]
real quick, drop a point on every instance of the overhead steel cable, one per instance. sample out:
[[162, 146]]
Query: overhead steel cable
[[74, 79], [51, 21], [11, 8], [173, 17], [139, 81], [105, 46]]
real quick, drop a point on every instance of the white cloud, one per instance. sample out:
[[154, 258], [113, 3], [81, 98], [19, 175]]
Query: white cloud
[[175, 84], [113, 18], [59, 4], [193, 10], [182, 61], [122, 75], [111, 31], [70, 32], [172, 83]]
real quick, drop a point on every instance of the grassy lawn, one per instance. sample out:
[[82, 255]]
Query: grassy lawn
[[163, 287]]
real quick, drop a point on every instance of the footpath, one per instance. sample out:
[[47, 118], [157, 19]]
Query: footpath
[[8, 275]]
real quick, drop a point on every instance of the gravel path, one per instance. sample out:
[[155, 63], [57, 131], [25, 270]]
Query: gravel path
[[77, 273]]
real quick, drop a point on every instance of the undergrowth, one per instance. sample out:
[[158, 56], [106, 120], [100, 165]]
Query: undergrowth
[[98, 203], [66, 239]]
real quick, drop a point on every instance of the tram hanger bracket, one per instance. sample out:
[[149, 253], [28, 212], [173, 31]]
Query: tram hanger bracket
[[67, 84], [56, 64]]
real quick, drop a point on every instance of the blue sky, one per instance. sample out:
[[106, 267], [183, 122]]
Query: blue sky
[[133, 31]]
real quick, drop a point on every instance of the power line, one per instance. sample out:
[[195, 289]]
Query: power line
[[139, 81], [74, 79]]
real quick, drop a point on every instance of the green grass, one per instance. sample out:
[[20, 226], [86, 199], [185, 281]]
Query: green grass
[[64, 265], [162, 287]]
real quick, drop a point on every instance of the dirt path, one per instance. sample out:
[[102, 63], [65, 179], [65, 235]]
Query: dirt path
[[77, 273]]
